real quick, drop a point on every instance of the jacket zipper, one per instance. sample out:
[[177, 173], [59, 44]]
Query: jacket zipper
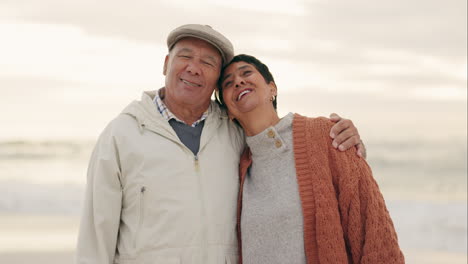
[[197, 165], [202, 204], [141, 214]]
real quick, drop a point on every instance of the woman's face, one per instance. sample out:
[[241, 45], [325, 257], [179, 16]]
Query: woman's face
[[244, 89]]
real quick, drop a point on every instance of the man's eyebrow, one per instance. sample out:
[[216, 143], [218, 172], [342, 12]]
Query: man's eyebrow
[[208, 57], [229, 75], [184, 50], [212, 59]]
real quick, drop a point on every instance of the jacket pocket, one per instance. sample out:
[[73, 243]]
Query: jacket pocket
[[141, 215]]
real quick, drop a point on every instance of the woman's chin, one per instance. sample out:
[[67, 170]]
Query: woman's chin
[[247, 110]]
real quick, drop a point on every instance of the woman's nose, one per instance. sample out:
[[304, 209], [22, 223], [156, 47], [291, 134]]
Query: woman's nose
[[239, 82]]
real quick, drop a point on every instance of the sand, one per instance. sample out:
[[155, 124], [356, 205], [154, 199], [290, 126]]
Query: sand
[[36, 239], [40, 257]]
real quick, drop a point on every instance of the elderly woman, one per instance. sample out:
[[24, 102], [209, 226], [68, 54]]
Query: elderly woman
[[300, 200]]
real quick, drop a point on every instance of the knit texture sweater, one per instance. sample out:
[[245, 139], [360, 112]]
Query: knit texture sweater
[[344, 214], [272, 212]]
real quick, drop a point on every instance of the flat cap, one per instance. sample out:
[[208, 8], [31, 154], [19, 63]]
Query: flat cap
[[206, 33]]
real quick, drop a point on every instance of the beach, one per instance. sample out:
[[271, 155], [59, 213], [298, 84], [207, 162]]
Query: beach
[[43, 183], [38, 257], [51, 240], [37, 239]]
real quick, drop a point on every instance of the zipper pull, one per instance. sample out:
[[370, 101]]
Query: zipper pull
[[197, 166], [143, 189]]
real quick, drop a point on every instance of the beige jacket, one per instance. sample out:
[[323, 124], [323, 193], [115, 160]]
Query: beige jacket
[[150, 200]]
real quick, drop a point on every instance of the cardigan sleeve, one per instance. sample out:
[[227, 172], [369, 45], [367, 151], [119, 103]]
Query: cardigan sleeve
[[368, 230]]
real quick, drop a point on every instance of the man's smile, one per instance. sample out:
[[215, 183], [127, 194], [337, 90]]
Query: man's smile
[[190, 83]]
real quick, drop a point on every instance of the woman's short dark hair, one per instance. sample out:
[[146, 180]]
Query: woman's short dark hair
[[260, 66]]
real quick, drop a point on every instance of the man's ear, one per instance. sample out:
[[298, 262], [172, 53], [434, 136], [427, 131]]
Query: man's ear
[[165, 64]]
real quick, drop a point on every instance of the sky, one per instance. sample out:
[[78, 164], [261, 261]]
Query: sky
[[396, 68]]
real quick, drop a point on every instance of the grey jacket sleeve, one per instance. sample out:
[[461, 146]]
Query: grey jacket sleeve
[[102, 205]]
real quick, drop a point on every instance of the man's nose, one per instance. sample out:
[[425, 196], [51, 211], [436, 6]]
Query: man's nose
[[194, 68]]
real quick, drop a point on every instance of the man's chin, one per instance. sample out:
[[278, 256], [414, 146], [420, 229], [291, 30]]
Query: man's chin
[[195, 100]]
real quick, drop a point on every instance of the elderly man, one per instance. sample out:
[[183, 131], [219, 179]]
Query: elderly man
[[163, 178]]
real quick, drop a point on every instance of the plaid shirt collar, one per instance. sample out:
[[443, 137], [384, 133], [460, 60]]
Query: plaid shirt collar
[[168, 115]]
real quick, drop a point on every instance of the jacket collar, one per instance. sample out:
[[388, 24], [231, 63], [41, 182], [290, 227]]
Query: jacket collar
[[147, 115]]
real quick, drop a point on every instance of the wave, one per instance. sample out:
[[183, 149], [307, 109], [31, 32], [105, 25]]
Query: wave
[[435, 225], [44, 149], [20, 197]]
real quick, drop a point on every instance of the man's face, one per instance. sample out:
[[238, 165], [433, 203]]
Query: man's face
[[192, 70]]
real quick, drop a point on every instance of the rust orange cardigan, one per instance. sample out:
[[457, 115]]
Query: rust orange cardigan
[[344, 213]]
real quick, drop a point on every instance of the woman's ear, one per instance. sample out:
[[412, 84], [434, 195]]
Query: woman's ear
[[273, 89]]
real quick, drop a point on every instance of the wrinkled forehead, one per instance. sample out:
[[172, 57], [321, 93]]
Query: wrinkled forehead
[[192, 44]]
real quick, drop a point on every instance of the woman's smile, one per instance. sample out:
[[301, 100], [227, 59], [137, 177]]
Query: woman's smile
[[243, 92]]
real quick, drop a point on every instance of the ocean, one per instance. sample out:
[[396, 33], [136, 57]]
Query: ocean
[[424, 184]]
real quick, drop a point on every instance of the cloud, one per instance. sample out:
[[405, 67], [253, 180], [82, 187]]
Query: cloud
[[360, 45], [65, 52], [420, 26]]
